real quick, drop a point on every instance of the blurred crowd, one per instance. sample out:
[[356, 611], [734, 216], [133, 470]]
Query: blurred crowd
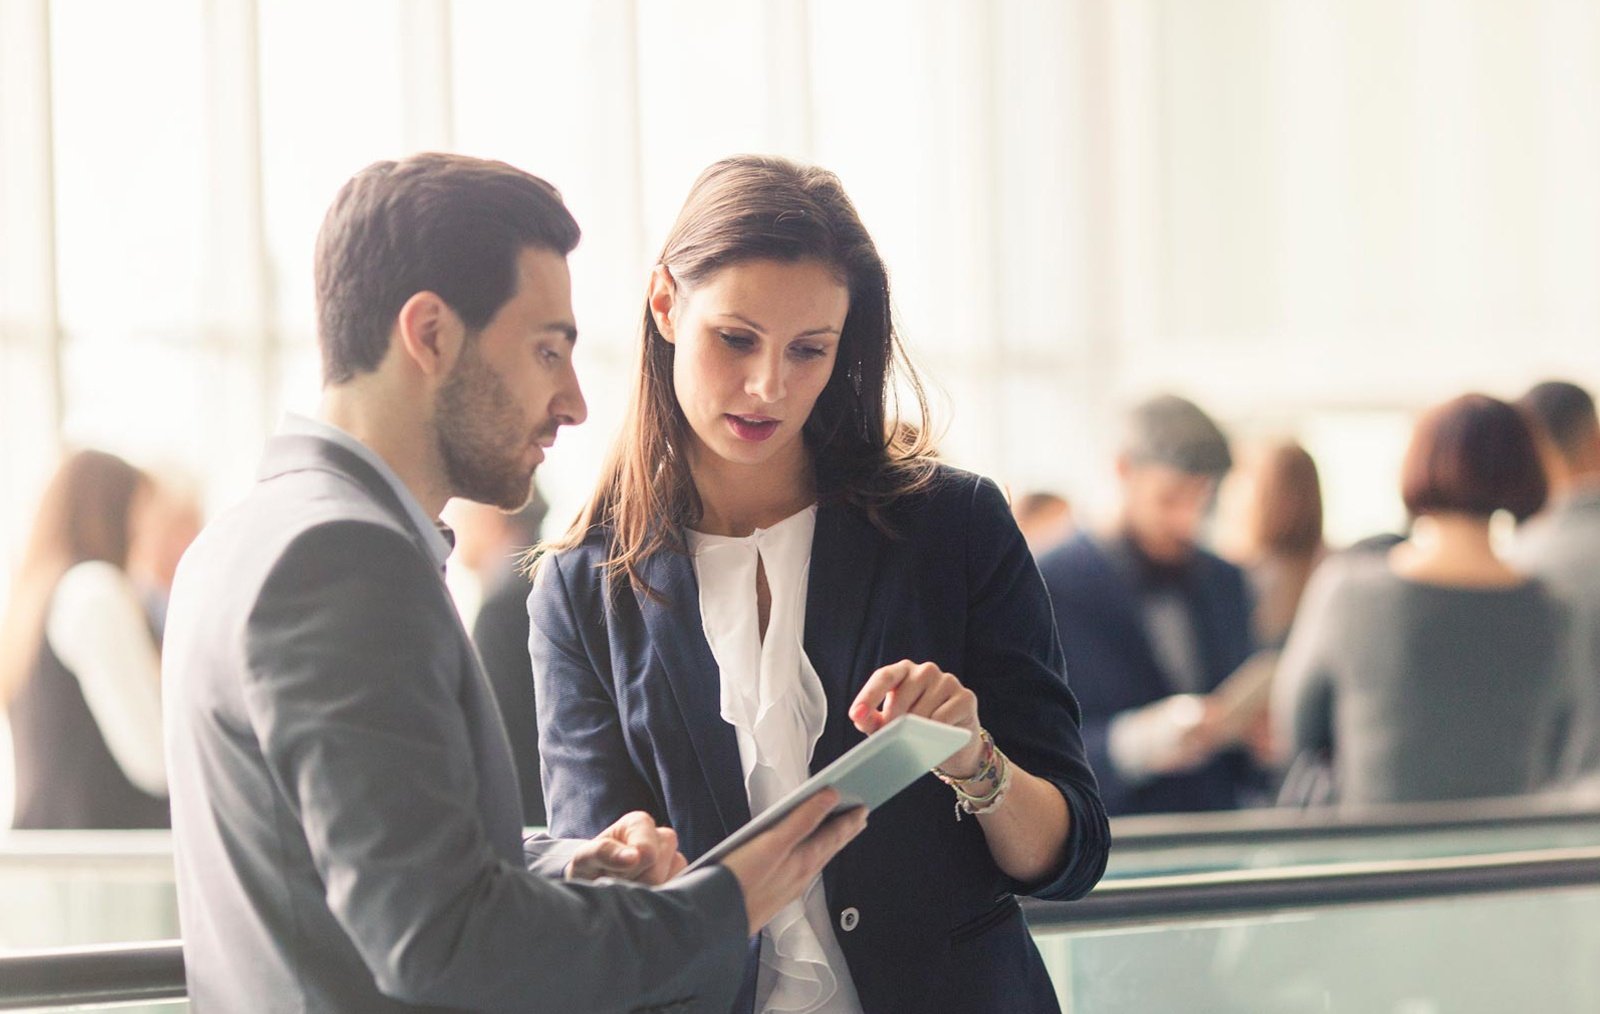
[[1224, 654], [1457, 659]]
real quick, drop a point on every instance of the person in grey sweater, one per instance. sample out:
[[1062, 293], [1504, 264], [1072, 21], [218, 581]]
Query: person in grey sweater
[[1435, 671]]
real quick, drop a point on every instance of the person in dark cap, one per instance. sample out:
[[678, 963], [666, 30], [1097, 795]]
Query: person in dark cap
[[1151, 623]]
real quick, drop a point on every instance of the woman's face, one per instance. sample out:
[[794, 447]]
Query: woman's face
[[753, 347]]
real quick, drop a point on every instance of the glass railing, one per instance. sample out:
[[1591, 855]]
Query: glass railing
[[1490, 934], [1515, 932], [69, 888], [1397, 911]]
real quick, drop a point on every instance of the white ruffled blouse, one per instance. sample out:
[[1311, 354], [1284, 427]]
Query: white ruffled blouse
[[774, 700]]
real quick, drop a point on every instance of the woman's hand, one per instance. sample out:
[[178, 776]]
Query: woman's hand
[[911, 688]]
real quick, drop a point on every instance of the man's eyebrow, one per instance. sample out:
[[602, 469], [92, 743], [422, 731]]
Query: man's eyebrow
[[565, 328]]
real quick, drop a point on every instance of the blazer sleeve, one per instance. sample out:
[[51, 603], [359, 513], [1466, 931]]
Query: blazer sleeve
[[1015, 667], [353, 689], [589, 778]]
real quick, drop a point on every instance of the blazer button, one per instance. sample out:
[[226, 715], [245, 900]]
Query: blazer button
[[849, 919]]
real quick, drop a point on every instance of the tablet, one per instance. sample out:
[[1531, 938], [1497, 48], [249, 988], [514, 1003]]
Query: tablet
[[880, 766]]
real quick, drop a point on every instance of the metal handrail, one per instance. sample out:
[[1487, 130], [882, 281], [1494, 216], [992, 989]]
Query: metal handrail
[[1203, 896], [111, 973], [1262, 827]]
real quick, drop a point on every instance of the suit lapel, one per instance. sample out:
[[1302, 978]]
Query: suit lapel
[[679, 640], [846, 558], [501, 806], [1122, 607]]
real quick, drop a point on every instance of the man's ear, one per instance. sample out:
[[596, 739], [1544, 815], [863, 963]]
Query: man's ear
[[663, 298], [430, 333], [1124, 467]]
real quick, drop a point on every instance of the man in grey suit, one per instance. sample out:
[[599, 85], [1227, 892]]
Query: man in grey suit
[[346, 816], [1562, 546]]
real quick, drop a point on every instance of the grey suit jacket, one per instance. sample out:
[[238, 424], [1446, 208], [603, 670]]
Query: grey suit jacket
[[346, 817]]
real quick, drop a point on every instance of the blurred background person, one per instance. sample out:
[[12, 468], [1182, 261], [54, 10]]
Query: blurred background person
[[1274, 532], [1045, 519], [1150, 622], [1561, 546], [490, 545], [171, 519], [1435, 671], [79, 669]]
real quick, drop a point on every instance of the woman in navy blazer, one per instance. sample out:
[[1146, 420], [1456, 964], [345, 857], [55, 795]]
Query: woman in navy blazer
[[767, 360]]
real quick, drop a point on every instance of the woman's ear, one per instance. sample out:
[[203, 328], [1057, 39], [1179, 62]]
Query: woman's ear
[[662, 299]]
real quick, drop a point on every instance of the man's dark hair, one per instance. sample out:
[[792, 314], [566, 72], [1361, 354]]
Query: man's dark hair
[[1172, 431], [446, 224], [1565, 412]]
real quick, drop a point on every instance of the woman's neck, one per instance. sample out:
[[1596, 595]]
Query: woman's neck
[[736, 499], [1452, 549]]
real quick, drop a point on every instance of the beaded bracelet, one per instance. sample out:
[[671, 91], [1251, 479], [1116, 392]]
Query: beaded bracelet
[[995, 767]]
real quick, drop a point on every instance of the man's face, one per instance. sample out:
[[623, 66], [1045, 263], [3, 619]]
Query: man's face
[[1163, 509], [512, 387]]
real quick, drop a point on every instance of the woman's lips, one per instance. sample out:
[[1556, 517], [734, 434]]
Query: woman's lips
[[754, 428]]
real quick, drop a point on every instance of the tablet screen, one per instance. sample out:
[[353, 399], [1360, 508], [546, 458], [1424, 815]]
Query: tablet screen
[[869, 775]]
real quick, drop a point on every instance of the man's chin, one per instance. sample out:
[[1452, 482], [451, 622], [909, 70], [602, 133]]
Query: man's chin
[[508, 496]]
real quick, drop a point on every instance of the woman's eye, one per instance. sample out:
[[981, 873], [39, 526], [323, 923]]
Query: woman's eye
[[808, 351], [735, 341]]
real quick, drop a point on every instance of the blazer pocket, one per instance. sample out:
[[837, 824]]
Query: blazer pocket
[[1002, 912]]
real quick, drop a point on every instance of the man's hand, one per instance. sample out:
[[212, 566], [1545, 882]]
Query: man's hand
[[777, 866], [633, 848], [909, 688], [1170, 736]]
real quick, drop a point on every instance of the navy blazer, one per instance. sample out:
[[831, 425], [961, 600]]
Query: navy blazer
[[628, 701], [1114, 666]]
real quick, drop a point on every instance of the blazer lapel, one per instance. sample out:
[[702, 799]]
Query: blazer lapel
[[1122, 609], [679, 640], [846, 558]]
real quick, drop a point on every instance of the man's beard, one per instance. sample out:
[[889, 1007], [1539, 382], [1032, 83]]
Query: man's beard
[[482, 435]]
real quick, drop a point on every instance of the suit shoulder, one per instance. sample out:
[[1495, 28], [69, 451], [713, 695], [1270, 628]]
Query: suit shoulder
[[956, 492], [1219, 569], [1076, 561]]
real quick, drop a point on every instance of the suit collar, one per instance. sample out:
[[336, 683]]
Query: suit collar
[[303, 451]]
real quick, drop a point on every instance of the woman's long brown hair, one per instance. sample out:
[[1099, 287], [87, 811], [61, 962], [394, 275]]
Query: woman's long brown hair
[[762, 208], [83, 515]]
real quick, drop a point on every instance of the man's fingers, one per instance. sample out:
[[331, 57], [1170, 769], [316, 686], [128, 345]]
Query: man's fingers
[[806, 818], [668, 860], [615, 856], [833, 835]]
